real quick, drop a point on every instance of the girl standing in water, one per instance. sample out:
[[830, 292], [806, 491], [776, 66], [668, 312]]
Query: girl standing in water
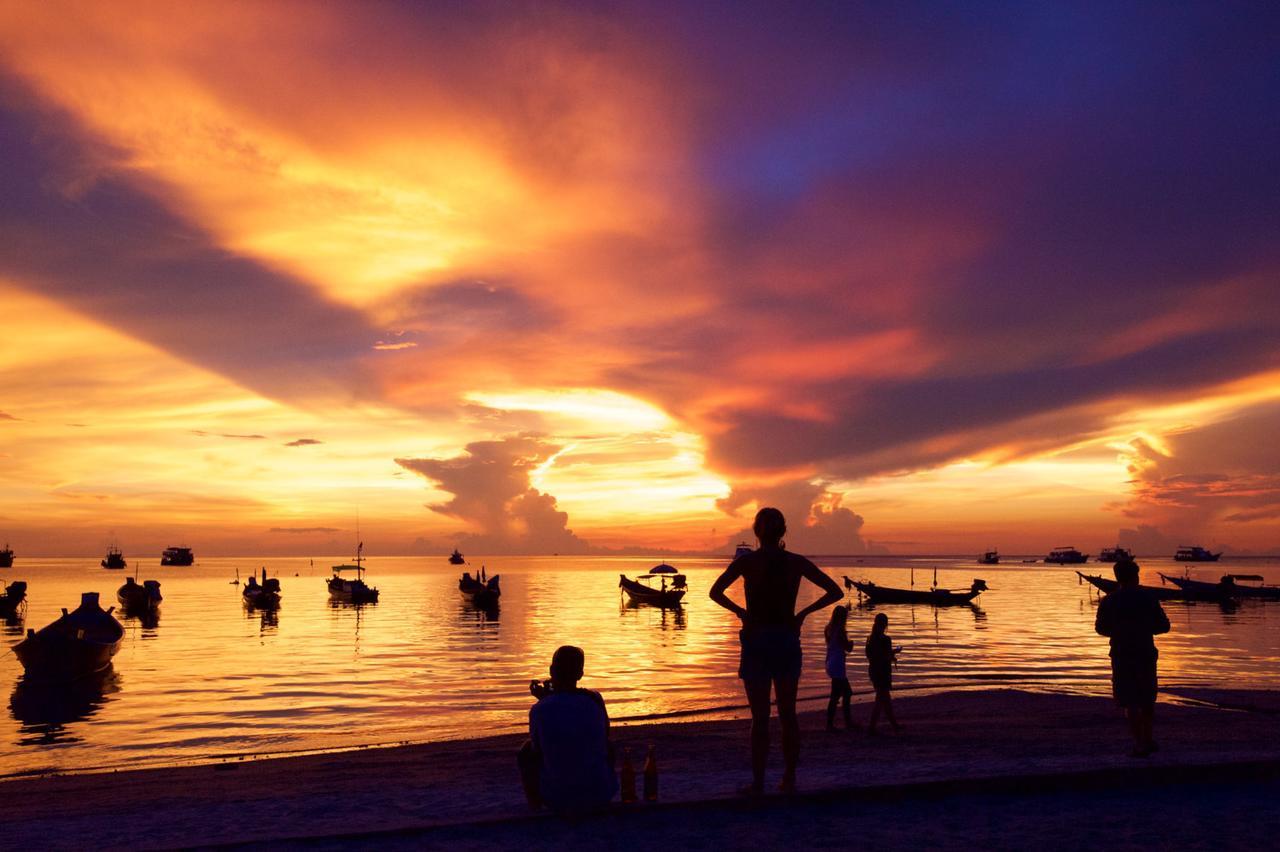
[[881, 655], [838, 646]]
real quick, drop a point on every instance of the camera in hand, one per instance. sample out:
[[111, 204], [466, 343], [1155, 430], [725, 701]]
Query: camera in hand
[[540, 688]]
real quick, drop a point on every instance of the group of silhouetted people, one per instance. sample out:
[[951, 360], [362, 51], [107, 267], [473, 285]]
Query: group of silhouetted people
[[568, 762]]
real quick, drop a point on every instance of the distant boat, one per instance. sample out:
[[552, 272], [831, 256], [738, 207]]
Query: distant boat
[[456, 558], [264, 595], [1114, 554], [353, 590], [936, 597], [1066, 556], [6, 556], [14, 594], [1196, 554], [481, 590], [76, 645], [1227, 586], [990, 557], [115, 559], [1215, 593], [668, 593], [177, 556], [743, 549], [137, 597]]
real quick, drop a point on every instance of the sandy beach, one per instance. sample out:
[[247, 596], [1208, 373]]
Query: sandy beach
[[1002, 765]]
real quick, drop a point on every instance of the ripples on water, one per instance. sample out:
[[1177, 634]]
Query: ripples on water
[[212, 678]]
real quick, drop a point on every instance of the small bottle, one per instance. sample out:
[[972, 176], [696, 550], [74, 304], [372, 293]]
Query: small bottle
[[651, 777], [628, 777]]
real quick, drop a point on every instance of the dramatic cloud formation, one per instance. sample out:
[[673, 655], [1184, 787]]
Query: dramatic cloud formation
[[816, 522], [809, 255], [1211, 482], [491, 489]]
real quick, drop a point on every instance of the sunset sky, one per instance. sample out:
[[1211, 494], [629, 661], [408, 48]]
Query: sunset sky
[[533, 277]]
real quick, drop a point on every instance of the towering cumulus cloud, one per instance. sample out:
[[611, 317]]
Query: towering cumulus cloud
[[492, 491]]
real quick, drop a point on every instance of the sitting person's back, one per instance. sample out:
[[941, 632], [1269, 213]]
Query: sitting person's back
[[567, 763]]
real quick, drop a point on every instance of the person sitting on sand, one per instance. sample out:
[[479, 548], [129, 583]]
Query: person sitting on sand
[[881, 655], [1132, 617], [838, 647], [770, 637], [567, 762]]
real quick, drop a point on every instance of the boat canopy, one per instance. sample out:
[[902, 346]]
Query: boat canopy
[[664, 568]]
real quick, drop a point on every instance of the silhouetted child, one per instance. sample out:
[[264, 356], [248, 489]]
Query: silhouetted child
[[1132, 617], [881, 656], [838, 647], [567, 763]]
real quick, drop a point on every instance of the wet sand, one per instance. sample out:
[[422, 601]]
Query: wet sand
[[1006, 763]]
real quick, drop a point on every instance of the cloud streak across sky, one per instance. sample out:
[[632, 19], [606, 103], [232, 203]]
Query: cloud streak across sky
[[834, 248]]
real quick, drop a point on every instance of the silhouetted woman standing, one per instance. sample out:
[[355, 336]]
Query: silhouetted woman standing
[[881, 656], [770, 637]]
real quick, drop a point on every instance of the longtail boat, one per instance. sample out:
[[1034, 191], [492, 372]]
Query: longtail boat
[[79, 643], [264, 595], [15, 594], [481, 590], [1216, 593], [1227, 586], [936, 597], [139, 597], [668, 593]]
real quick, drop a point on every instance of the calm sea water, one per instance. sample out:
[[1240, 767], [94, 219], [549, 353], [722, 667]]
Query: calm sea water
[[212, 679]]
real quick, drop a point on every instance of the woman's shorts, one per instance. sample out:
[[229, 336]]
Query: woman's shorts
[[769, 653]]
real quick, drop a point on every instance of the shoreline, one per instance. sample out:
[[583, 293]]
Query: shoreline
[[950, 738]]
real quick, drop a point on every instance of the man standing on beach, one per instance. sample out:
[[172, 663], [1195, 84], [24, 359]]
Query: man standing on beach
[[770, 637], [1132, 617]]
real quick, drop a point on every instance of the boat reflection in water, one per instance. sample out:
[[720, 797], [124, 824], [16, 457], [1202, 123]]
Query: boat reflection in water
[[147, 619], [666, 617], [473, 610], [45, 709]]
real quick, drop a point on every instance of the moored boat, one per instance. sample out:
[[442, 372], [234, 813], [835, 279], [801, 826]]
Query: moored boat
[[354, 589], [670, 590], [990, 557], [481, 590], [1114, 554], [264, 595], [177, 556], [1196, 554], [139, 597], [1216, 593], [742, 549], [1066, 556], [1227, 586], [456, 558], [114, 559], [77, 644], [15, 594], [936, 597], [6, 556]]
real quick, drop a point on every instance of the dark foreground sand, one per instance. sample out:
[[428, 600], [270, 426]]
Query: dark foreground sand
[[1002, 768]]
